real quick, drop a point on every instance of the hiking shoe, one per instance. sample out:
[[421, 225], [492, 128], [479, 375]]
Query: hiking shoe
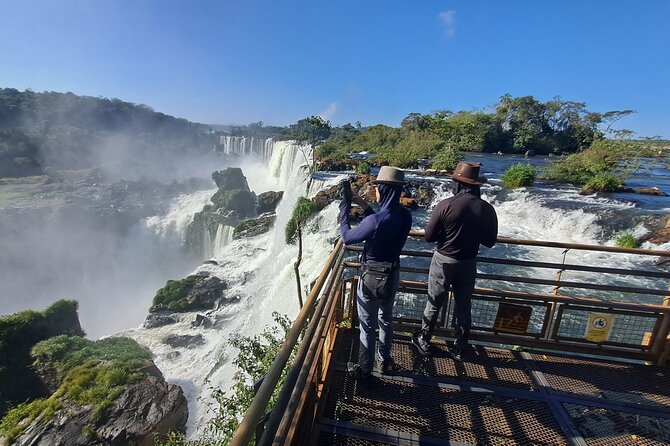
[[421, 344], [354, 370]]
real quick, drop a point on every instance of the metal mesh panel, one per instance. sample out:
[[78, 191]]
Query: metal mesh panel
[[484, 314], [626, 328], [648, 386], [330, 439], [409, 305], [602, 427], [435, 412]]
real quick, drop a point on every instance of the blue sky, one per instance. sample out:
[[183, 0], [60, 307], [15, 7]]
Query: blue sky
[[374, 61]]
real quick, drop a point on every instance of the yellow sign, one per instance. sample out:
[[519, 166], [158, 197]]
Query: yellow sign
[[599, 327]]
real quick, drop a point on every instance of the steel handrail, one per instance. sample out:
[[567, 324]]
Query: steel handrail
[[256, 411]]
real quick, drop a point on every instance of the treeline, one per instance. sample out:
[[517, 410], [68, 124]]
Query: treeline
[[67, 131], [514, 125]]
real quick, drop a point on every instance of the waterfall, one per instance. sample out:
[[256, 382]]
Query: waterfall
[[224, 235], [246, 146]]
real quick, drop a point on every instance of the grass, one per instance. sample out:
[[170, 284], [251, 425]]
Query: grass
[[91, 373], [604, 182], [173, 294], [519, 175], [626, 240]]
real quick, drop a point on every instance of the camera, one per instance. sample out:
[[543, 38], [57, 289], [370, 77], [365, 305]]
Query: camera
[[345, 190]]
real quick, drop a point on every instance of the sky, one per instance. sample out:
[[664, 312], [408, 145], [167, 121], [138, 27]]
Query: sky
[[223, 62]]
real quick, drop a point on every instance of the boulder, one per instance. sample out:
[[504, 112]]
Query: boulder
[[145, 410], [159, 319], [184, 341], [189, 294], [424, 195], [529, 153], [650, 191], [202, 321], [230, 179], [268, 201], [254, 227]]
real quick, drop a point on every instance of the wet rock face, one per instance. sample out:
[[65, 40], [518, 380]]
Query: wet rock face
[[159, 319], [184, 341], [254, 227], [230, 179], [193, 293], [268, 201], [145, 409]]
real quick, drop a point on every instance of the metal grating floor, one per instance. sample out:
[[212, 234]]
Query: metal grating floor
[[495, 397]]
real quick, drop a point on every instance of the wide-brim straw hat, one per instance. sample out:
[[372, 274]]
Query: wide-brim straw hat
[[390, 175], [468, 173]]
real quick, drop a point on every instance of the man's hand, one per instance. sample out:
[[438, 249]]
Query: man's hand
[[360, 202]]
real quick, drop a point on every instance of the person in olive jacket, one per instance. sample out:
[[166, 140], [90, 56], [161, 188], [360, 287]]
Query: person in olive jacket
[[458, 224], [384, 233]]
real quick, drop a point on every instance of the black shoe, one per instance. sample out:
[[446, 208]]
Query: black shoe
[[457, 355], [354, 370], [421, 344]]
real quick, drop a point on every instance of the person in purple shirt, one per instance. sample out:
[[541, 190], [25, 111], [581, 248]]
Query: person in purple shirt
[[458, 224], [384, 233]]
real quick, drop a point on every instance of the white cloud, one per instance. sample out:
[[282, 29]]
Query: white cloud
[[329, 112], [447, 20]]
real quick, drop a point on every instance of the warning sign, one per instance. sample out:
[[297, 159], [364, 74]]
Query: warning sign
[[599, 327], [512, 318]]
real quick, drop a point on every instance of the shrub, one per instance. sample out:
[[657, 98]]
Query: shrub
[[174, 293], [604, 182], [363, 168], [626, 240], [303, 209], [447, 159], [519, 175]]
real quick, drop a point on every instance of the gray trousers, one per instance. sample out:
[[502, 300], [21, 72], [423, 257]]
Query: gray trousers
[[375, 311], [460, 275]]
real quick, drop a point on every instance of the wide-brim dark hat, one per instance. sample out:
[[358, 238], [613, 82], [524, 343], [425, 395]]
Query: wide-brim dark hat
[[390, 175], [468, 173]]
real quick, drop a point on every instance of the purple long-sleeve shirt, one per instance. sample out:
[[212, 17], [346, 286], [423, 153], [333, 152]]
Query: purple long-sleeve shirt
[[384, 232]]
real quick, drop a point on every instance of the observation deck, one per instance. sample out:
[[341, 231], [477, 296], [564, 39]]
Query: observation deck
[[553, 361]]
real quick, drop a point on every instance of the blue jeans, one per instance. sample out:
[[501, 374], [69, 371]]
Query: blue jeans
[[460, 274], [375, 310]]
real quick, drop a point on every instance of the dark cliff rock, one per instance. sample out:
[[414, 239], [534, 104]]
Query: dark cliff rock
[[268, 201], [145, 409], [230, 179], [18, 334], [189, 294], [254, 227]]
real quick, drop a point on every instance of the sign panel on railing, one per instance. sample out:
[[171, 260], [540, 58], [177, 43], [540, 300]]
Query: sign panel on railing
[[512, 318], [599, 327]]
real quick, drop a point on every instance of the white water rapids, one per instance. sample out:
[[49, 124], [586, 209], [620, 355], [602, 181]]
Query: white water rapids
[[259, 270]]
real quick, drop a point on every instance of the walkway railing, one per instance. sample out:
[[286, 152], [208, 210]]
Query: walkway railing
[[509, 308]]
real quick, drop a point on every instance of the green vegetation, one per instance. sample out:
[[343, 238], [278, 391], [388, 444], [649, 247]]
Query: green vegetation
[[254, 360], [91, 373], [626, 240], [18, 334], [447, 159], [173, 294], [363, 169], [519, 175], [515, 125], [303, 209], [604, 182], [66, 131]]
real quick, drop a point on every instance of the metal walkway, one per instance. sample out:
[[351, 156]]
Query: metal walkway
[[494, 397]]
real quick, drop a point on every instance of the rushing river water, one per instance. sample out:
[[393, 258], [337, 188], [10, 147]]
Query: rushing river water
[[260, 269]]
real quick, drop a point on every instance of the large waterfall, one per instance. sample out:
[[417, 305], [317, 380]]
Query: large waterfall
[[247, 146], [259, 270]]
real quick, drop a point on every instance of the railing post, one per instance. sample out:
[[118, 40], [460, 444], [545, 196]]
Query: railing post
[[662, 343]]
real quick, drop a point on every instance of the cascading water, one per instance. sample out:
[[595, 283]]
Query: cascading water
[[247, 146], [259, 270]]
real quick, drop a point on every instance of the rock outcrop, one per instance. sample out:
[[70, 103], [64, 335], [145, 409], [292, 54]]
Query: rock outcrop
[[195, 292], [148, 408], [268, 201]]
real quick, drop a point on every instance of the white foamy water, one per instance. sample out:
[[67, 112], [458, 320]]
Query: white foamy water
[[259, 270]]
